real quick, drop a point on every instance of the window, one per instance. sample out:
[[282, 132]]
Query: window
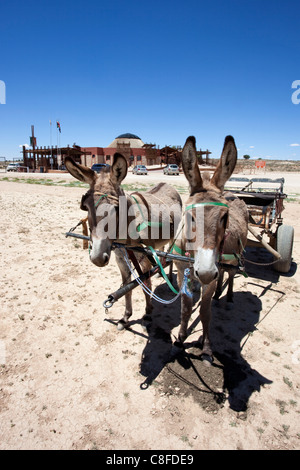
[[107, 158], [139, 158]]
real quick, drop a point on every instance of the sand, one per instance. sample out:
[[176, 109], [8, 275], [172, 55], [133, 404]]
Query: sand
[[70, 380]]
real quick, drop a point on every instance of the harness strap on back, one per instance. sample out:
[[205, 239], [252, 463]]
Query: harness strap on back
[[145, 222]]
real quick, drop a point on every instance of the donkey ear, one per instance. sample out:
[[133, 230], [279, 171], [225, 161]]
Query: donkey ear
[[80, 172], [190, 165], [226, 163], [118, 170]]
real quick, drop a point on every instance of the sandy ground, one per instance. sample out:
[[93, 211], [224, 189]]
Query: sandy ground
[[70, 380]]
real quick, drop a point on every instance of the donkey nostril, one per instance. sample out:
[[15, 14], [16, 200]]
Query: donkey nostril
[[216, 275], [105, 257]]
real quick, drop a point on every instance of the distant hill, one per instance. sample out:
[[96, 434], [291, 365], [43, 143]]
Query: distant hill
[[271, 165]]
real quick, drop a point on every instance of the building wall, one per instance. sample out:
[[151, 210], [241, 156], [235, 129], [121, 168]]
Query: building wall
[[96, 156], [136, 156]]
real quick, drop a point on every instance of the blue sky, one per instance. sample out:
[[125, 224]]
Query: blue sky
[[163, 70]]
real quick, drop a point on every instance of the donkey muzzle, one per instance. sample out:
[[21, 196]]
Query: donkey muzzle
[[205, 267], [100, 252]]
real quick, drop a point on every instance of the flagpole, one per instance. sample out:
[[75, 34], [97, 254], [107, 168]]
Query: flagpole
[[51, 162], [57, 157], [58, 130]]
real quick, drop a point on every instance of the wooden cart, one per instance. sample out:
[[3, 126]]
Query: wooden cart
[[264, 198]]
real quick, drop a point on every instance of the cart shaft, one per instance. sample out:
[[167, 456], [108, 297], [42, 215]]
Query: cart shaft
[[263, 242]]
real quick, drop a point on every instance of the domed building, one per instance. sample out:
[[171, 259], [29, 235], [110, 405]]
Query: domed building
[[131, 146], [127, 139]]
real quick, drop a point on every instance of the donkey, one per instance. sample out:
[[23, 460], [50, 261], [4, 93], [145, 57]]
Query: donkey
[[146, 211], [224, 226]]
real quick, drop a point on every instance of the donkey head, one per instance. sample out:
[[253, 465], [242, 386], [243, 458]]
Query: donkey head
[[101, 200], [206, 208]]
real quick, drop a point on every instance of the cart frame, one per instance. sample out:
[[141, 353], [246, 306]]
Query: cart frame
[[264, 199]]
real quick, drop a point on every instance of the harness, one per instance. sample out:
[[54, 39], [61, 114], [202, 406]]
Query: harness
[[185, 288], [145, 223], [102, 195], [188, 208]]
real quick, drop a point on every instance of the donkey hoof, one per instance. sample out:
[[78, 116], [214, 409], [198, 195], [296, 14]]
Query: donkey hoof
[[146, 322], [121, 325], [207, 360]]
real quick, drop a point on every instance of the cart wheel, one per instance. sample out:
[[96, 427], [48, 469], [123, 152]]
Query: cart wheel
[[284, 246]]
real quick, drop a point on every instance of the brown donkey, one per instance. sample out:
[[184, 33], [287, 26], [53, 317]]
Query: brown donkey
[[217, 227], [150, 219]]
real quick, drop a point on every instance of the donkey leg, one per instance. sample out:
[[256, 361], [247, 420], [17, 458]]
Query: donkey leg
[[229, 296], [186, 309], [219, 285], [146, 266], [205, 316], [123, 322], [126, 276], [186, 312]]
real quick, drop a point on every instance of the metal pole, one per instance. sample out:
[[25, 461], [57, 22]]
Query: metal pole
[[51, 161], [112, 298], [33, 147], [162, 254], [139, 249]]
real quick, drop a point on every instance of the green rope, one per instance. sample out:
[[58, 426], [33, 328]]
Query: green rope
[[177, 249], [198, 204], [101, 197], [162, 270]]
